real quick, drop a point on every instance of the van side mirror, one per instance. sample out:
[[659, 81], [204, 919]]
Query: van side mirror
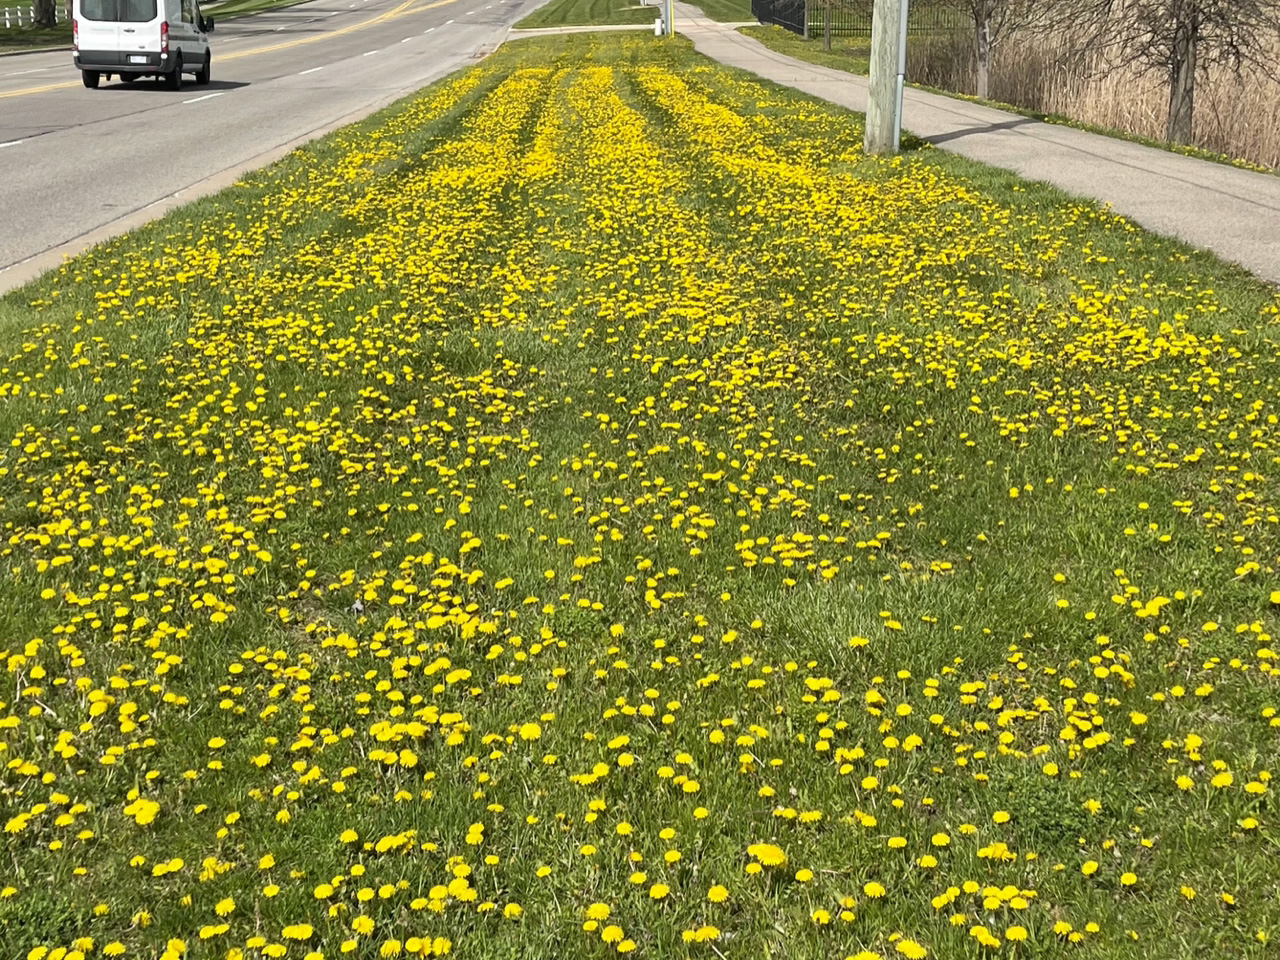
[[208, 25]]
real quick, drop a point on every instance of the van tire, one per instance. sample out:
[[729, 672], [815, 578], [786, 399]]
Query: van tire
[[90, 78], [128, 77], [173, 79], [205, 72]]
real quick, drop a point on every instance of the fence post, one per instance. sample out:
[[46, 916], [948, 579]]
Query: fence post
[[806, 19]]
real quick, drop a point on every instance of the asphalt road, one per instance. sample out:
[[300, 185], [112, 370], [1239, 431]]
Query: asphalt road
[[74, 160]]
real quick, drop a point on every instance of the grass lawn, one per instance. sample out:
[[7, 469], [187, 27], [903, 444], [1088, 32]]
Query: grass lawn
[[578, 12], [726, 11], [590, 508], [846, 53], [27, 36], [560, 13], [17, 38]]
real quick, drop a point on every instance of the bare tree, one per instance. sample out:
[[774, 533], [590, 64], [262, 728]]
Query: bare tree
[[852, 7], [1178, 40], [994, 21]]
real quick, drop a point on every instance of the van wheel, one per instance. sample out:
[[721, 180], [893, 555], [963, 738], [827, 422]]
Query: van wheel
[[173, 79], [90, 78], [202, 77], [128, 77]]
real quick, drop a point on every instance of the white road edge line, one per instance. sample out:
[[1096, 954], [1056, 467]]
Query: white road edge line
[[428, 30], [19, 73], [370, 53], [207, 96], [312, 70], [406, 39], [11, 143]]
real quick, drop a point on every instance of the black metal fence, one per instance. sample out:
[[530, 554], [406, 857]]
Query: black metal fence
[[785, 13], [852, 18]]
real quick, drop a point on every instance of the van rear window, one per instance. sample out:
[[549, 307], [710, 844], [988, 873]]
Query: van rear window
[[121, 11]]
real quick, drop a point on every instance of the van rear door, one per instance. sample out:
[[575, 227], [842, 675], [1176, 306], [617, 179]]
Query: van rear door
[[98, 26], [119, 26], [139, 26]]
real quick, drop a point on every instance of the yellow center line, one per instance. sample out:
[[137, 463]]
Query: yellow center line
[[402, 10], [28, 90]]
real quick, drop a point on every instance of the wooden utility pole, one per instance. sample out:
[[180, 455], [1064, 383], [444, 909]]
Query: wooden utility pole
[[888, 64]]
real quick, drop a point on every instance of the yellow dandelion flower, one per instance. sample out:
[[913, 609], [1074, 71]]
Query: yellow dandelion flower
[[768, 854]]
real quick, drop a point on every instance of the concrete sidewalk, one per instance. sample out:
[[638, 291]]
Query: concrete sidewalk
[[1231, 212]]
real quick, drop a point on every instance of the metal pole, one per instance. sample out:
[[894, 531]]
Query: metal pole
[[903, 11], [671, 18]]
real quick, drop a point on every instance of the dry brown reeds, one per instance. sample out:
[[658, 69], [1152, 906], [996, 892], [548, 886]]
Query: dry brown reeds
[[1237, 116]]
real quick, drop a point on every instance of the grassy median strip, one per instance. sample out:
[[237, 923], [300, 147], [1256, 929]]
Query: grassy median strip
[[727, 11], [590, 508], [588, 12], [564, 13]]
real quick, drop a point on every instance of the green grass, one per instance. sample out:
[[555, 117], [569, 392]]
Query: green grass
[[726, 11], [18, 38], [846, 53], [584, 12], [520, 505], [563, 13]]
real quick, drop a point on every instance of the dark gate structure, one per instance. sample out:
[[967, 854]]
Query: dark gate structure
[[785, 13]]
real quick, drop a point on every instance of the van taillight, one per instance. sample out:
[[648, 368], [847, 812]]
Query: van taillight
[[75, 35], [164, 36]]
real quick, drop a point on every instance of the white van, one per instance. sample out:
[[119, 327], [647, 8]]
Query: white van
[[140, 38]]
